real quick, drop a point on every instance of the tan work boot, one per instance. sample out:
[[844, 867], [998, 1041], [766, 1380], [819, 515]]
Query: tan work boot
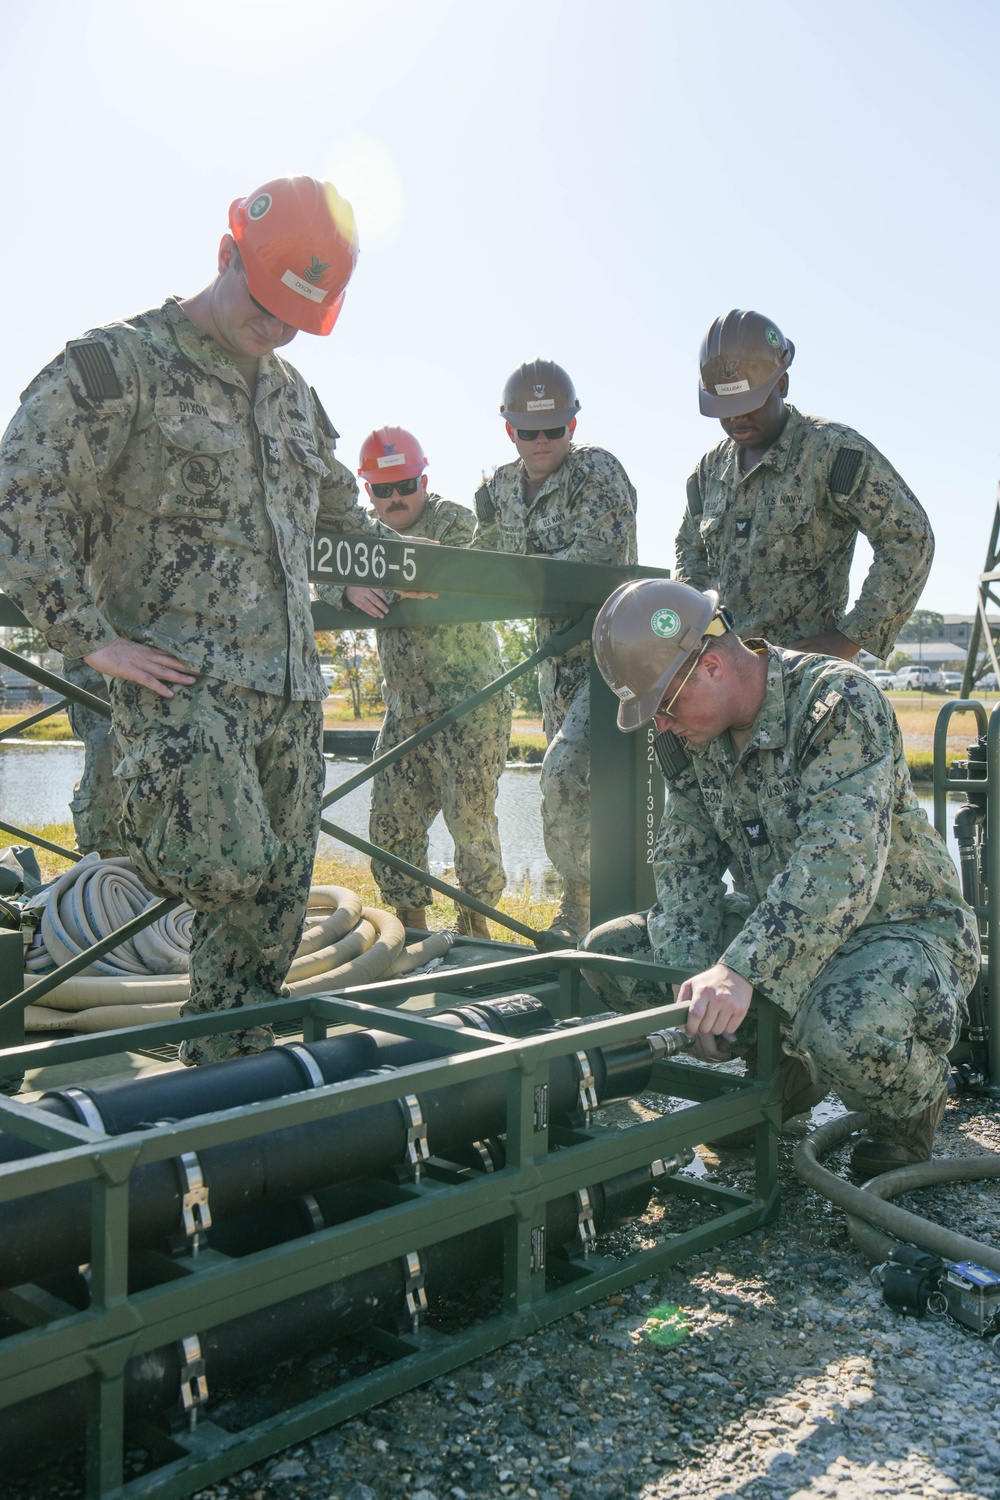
[[572, 920], [798, 1093], [898, 1143], [413, 916], [472, 923]]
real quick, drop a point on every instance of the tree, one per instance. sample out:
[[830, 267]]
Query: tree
[[27, 641], [354, 657], [517, 640], [923, 625]]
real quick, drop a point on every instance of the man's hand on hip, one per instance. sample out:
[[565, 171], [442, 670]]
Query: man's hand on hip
[[717, 1002], [146, 665]]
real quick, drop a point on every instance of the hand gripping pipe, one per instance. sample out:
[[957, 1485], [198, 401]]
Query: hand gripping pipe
[[43, 1233]]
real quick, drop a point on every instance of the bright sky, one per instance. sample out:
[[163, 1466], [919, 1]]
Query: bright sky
[[584, 181]]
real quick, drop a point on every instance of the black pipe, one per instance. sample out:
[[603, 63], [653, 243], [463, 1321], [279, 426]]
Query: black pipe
[[123, 1104], [40, 1233], [55, 1422]]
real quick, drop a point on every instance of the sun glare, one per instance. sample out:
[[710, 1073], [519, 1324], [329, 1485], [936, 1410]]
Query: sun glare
[[366, 174]]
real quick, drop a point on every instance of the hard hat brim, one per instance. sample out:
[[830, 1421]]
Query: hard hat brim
[[534, 421], [736, 406]]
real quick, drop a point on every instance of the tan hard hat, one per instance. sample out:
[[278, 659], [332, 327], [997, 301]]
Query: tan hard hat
[[743, 356], [539, 394], [643, 635]]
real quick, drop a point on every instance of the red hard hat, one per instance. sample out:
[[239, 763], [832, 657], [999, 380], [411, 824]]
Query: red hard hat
[[299, 245], [391, 453]]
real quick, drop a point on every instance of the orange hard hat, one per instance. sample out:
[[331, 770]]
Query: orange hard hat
[[299, 244], [391, 453]]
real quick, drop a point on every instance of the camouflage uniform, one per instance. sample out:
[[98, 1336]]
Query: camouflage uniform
[[456, 771], [96, 804], [859, 933], [584, 512], [777, 543], [199, 502]]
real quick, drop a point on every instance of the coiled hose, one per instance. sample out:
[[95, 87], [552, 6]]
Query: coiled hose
[[145, 980], [876, 1226]]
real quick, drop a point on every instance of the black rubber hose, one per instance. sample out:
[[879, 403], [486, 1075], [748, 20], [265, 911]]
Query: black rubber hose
[[53, 1422], [41, 1233], [865, 1206]]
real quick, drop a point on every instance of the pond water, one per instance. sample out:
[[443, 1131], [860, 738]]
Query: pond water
[[36, 784], [37, 781]]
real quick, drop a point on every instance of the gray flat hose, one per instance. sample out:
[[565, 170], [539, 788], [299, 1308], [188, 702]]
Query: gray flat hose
[[865, 1207]]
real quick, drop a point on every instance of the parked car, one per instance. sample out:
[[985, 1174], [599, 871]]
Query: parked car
[[880, 675], [952, 681], [927, 678]]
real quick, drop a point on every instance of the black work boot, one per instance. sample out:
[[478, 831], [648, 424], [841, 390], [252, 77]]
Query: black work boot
[[798, 1093], [898, 1143]]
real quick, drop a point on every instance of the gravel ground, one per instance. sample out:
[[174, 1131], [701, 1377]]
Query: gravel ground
[[788, 1377]]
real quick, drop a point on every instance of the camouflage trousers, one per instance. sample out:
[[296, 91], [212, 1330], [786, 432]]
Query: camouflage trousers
[[455, 773], [221, 792], [96, 801], [565, 787], [875, 1026]]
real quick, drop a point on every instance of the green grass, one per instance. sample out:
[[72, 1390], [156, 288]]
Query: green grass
[[55, 727]]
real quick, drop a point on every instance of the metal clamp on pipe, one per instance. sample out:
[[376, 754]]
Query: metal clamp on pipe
[[417, 1148], [585, 1227], [416, 1292], [308, 1064], [588, 1086], [84, 1108], [313, 1211], [196, 1216], [193, 1380]]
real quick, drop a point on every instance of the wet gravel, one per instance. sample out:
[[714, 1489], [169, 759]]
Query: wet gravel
[[780, 1373]]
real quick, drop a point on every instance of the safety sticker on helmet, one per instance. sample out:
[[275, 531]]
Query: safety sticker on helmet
[[665, 623]]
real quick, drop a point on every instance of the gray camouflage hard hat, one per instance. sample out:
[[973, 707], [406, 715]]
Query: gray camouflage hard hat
[[539, 394], [743, 356], [643, 635]]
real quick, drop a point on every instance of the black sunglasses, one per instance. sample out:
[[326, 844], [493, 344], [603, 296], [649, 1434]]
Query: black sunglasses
[[402, 487], [528, 434]]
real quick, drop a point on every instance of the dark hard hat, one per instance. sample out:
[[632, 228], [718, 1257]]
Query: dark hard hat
[[539, 394], [743, 356], [643, 635]]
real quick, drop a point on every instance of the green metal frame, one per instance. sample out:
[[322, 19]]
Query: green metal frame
[[981, 656], [626, 792], [988, 913], [212, 1288], [64, 1345]]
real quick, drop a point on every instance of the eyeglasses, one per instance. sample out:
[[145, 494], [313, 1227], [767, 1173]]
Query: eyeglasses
[[529, 434], [665, 710], [401, 486]]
